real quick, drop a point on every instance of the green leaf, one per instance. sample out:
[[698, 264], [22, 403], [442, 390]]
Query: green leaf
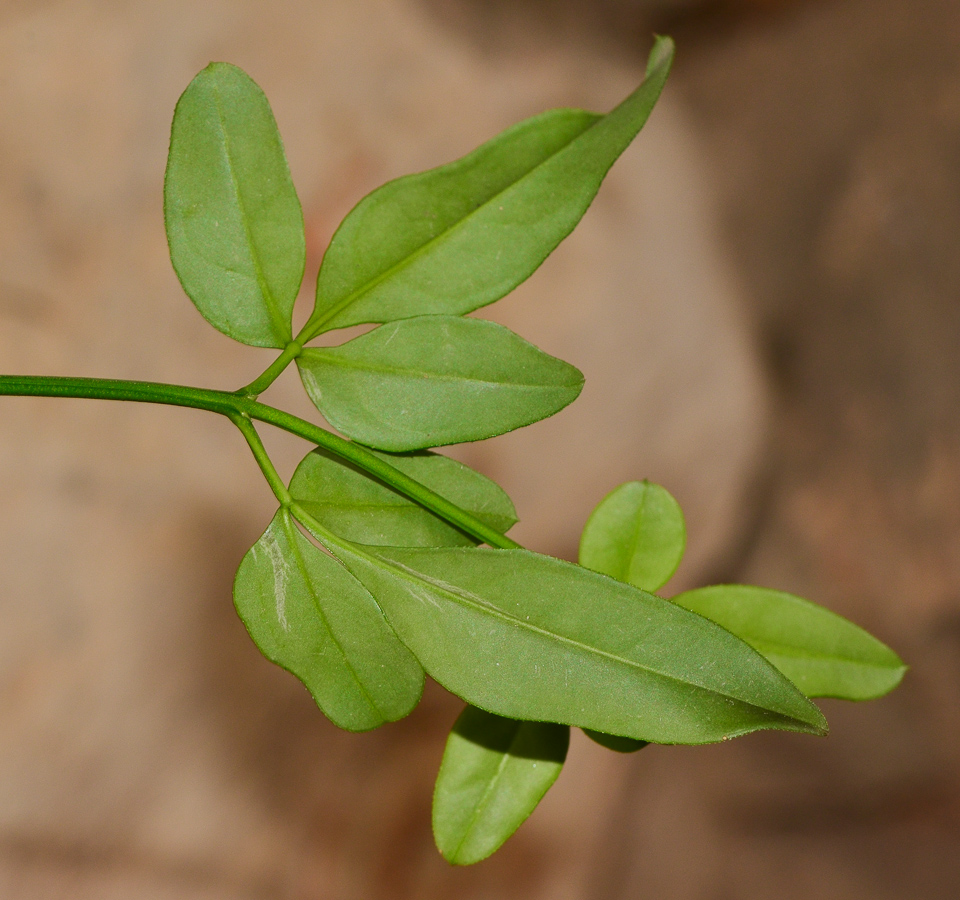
[[456, 238], [435, 380], [308, 614], [822, 653], [615, 742], [233, 219], [360, 508], [636, 534], [493, 775], [530, 637]]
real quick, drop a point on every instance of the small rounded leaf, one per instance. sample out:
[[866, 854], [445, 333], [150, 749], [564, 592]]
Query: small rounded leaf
[[636, 534]]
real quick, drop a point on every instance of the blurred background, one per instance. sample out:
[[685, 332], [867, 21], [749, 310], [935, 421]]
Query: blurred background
[[764, 300]]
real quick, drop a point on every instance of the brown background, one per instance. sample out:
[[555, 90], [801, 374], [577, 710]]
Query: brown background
[[765, 303]]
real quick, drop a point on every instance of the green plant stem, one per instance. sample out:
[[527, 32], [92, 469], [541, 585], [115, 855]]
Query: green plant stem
[[247, 429], [272, 372], [233, 405]]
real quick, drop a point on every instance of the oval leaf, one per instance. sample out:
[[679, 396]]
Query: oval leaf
[[461, 236], [530, 637], [308, 614], [234, 222], [360, 508], [435, 380], [494, 773], [822, 653], [636, 534]]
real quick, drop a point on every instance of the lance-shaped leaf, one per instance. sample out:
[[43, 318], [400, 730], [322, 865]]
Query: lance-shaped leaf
[[360, 508], [530, 637], [308, 614], [636, 534], [458, 237], [435, 380], [494, 773], [233, 219], [822, 653]]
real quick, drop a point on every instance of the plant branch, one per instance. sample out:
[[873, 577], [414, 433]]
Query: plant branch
[[233, 405]]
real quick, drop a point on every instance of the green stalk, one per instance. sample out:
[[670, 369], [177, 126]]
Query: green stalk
[[232, 406], [272, 372], [247, 429]]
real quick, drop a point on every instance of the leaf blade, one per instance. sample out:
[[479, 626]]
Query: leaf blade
[[456, 238], [435, 380], [822, 653], [636, 534], [509, 631], [234, 223], [362, 509], [494, 773], [310, 616]]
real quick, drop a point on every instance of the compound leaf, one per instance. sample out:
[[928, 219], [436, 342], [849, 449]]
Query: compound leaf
[[636, 534], [435, 380], [493, 775], [822, 653], [308, 614], [234, 222], [456, 238], [530, 637], [360, 508]]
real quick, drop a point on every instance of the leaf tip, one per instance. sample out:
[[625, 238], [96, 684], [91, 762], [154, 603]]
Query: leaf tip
[[661, 54]]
